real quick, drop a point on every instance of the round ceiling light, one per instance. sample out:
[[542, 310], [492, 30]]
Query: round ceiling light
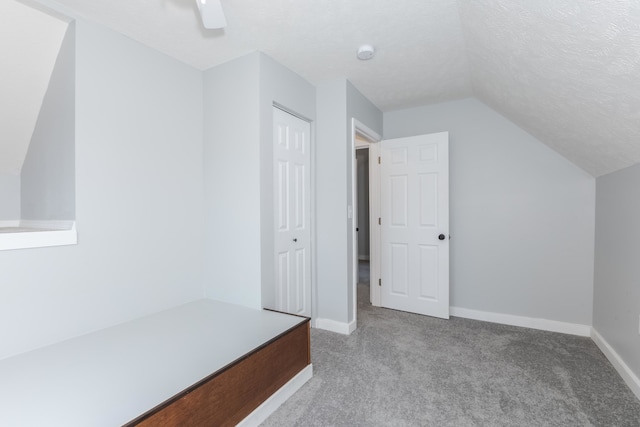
[[365, 52]]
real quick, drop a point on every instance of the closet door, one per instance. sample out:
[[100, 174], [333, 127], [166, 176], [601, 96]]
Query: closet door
[[292, 190]]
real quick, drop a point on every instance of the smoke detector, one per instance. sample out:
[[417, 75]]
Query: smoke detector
[[366, 52]]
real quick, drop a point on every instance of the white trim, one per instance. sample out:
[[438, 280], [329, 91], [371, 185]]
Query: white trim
[[527, 322], [291, 112], [7, 224], [359, 128], [39, 239], [354, 222], [623, 369], [365, 131], [270, 405], [313, 222], [47, 225], [360, 144], [374, 227], [353, 218], [334, 326]]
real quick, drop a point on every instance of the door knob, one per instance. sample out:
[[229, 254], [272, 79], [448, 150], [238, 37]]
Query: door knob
[[295, 240], [441, 237]]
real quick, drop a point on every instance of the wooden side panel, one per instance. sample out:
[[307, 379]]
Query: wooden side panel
[[229, 396]]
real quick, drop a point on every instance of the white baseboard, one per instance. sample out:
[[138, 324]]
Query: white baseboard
[[334, 326], [270, 405], [352, 326], [526, 322], [623, 369]]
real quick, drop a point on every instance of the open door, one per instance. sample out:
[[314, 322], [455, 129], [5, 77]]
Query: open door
[[414, 224]]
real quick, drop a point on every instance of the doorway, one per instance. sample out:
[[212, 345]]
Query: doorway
[[365, 238], [408, 222], [362, 209]]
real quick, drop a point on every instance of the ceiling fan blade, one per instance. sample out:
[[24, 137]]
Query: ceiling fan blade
[[212, 14]]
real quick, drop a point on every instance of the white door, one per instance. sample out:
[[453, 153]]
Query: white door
[[292, 203], [414, 181]]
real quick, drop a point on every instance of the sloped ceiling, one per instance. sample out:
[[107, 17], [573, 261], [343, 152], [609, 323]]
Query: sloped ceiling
[[29, 43], [566, 71]]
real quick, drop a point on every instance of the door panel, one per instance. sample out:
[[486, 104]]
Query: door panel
[[282, 199], [428, 193], [414, 213], [300, 196], [300, 270], [292, 203], [428, 261], [399, 269], [398, 199]]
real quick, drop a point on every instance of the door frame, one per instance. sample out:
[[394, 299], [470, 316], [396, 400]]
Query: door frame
[[358, 128]]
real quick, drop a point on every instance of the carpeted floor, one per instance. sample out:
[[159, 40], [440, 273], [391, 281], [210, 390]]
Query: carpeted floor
[[401, 369]]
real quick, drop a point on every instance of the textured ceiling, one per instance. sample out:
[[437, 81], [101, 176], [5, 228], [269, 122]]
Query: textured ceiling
[[417, 41], [566, 71]]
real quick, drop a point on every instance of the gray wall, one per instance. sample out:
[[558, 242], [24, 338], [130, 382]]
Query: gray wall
[[522, 216], [238, 102], [331, 201], [138, 201], [337, 103], [48, 172], [617, 270], [232, 181], [9, 197]]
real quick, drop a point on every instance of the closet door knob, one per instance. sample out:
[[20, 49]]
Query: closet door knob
[[295, 240], [441, 237]]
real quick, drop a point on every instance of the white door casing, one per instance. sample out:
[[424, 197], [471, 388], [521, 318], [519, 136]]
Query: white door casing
[[414, 181], [360, 132], [292, 192]]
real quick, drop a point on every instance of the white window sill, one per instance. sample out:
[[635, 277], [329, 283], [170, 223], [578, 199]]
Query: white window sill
[[37, 234]]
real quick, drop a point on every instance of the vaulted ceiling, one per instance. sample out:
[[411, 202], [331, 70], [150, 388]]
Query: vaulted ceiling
[[29, 45], [567, 71]]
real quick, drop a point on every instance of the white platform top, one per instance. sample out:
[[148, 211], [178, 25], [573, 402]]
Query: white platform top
[[109, 377]]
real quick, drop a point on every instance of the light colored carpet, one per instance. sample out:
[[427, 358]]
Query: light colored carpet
[[401, 369]]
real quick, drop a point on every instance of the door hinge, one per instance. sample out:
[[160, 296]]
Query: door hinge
[[379, 161], [379, 221], [379, 282]]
